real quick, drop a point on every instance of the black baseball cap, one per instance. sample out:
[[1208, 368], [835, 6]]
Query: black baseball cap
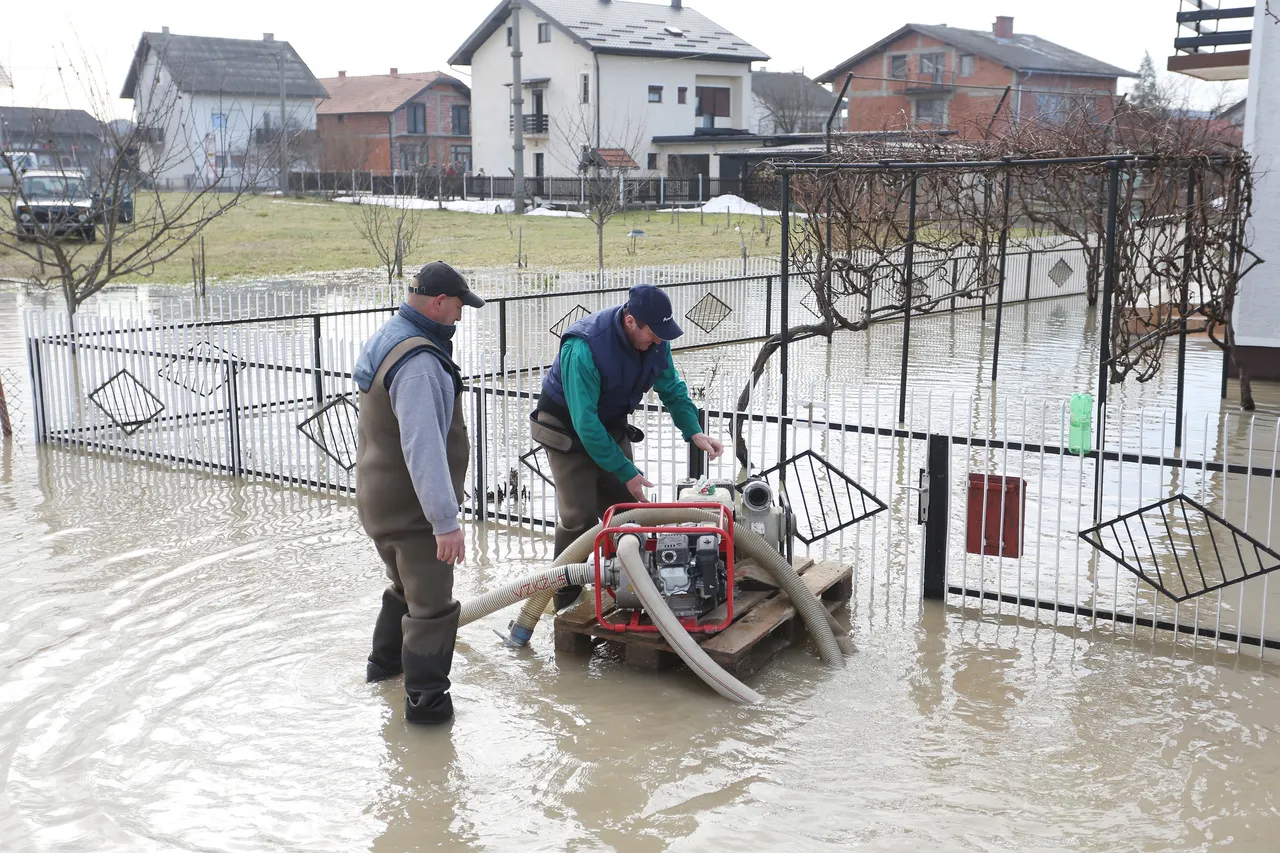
[[439, 279], [650, 306]]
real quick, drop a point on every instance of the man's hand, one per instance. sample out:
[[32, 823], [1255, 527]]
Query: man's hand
[[451, 548], [713, 448], [636, 486]]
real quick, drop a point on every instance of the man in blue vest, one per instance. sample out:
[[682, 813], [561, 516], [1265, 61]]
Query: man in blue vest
[[607, 362]]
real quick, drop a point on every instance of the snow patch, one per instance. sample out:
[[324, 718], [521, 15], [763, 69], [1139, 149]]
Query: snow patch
[[729, 203]]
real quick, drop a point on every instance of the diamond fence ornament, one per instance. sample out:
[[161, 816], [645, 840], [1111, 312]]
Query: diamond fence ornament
[[536, 461], [562, 325], [1182, 548], [709, 313], [202, 369], [126, 401], [334, 430], [825, 499], [1060, 272]]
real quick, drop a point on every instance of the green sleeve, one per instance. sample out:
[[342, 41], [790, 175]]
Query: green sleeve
[[581, 381], [675, 396]]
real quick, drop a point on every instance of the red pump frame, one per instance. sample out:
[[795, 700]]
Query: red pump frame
[[605, 549]]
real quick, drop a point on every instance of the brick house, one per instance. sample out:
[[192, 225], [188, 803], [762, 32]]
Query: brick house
[[394, 122], [942, 77]]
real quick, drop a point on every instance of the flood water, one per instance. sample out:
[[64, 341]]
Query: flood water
[[182, 660]]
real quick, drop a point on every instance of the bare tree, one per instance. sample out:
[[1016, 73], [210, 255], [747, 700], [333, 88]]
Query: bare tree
[[390, 229], [77, 230], [604, 170], [790, 102]]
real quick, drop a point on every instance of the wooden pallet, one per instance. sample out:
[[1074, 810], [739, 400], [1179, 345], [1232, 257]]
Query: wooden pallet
[[765, 622]]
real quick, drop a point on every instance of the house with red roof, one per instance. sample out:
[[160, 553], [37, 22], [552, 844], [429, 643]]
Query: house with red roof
[[394, 122]]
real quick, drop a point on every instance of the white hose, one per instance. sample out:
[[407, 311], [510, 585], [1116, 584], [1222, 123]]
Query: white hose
[[674, 633], [521, 588]]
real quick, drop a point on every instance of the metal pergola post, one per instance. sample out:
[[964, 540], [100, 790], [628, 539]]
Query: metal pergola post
[[908, 286], [1004, 255], [1182, 308], [1104, 346], [784, 280]]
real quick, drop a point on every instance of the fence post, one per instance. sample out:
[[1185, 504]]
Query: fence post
[[1031, 256], [6, 428], [935, 514], [37, 390], [234, 457], [502, 336], [768, 301], [662, 189], [698, 457], [315, 354], [478, 483]]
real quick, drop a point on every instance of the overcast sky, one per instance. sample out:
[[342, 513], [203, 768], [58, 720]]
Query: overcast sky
[[62, 54]]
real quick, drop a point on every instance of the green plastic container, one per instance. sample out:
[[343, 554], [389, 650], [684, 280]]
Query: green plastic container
[[1080, 434]]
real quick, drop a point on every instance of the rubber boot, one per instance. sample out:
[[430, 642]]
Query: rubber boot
[[565, 595], [388, 637], [427, 657]]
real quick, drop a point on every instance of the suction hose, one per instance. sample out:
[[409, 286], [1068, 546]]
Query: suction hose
[[674, 633], [747, 541], [522, 588]]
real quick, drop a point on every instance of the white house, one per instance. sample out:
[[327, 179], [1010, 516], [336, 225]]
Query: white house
[[213, 106], [662, 82]]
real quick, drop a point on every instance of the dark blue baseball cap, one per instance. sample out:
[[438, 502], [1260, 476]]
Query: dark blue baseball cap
[[651, 306]]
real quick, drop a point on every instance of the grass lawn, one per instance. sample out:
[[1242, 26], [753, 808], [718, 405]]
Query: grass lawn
[[271, 236]]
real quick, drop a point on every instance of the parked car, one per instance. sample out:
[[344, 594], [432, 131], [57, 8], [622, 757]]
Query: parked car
[[123, 208], [58, 203]]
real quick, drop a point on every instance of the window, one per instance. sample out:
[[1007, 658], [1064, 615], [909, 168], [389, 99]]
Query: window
[[342, 119], [932, 66], [898, 67], [682, 95], [1052, 108], [585, 89], [931, 112], [508, 36], [544, 32], [417, 118], [713, 103], [461, 120], [461, 154], [655, 94], [966, 65], [218, 121], [220, 162], [653, 161]]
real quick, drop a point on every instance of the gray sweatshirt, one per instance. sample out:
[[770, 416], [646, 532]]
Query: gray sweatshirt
[[422, 396]]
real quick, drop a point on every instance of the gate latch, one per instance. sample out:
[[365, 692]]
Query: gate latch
[[922, 511]]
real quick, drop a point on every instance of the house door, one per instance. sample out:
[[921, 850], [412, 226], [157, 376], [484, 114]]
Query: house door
[[537, 102], [539, 171]]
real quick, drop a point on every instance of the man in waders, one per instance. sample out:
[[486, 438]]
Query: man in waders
[[607, 362], [411, 461]]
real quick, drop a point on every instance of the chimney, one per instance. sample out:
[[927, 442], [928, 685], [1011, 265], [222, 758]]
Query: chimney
[[164, 31], [395, 72], [268, 36], [1003, 27], [342, 75], [675, 4]]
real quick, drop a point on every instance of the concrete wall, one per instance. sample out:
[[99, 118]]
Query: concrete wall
[[1257, 316]]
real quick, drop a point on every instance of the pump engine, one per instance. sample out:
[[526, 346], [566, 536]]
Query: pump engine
[[690, 563]]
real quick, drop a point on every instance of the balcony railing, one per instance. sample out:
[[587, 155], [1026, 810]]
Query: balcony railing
[[920, 84], [535, 124], [1213, 40]]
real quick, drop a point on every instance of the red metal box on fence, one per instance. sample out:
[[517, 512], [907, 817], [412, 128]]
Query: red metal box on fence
[[996, 508]]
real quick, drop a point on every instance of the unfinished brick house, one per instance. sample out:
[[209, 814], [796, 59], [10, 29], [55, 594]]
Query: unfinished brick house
[[394, 122], [945, 78]]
